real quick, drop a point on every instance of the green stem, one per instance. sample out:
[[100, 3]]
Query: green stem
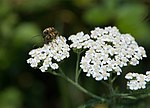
[[61, 74], [111, 85], [77, 68], [125, 96], [84, 90], [112, 92], [129, 96]]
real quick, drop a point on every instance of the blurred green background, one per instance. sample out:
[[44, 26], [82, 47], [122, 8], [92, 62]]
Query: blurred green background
[[21, 26]]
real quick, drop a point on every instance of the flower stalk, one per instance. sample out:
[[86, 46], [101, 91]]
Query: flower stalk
[[77, 72], [62, 75]]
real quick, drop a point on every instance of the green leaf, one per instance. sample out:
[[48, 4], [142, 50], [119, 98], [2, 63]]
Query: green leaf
[[25, 33], [35, 5], [97, 15], [130, 20], [10, 98], [4, 58], [132, 12]]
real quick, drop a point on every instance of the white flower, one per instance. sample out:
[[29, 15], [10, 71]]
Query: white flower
[[133, 85], [148, 76], [136, 81], [43, 68], [54, 66], [33, 61], [105, 75], [134, 61], [129, 76], [56, 50], [78, 40], [106, 48]]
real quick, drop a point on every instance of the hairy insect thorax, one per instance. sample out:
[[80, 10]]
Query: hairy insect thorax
[[49, 34]]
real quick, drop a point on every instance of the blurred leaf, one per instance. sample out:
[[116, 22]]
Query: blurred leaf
[[66, 16], [25, 33], [127, 17], [10, 98], [35, 5], [83, 3], [132, 12], [102, 14], [97, 16], [4, 59], [5, 8], [111, 4], [130, 20], [7, 25]]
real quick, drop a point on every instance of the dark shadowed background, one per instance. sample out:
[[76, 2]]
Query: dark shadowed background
[[21, 26]]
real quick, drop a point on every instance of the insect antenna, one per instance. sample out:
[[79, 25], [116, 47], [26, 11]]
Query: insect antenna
[[37, 40], [37, 35]]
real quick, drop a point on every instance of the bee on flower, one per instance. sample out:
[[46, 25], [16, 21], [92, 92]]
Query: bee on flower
[[55, 48]]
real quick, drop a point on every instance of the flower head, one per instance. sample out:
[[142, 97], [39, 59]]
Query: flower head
[[56, 50], [78, 40], [106, 50], [136, 81]]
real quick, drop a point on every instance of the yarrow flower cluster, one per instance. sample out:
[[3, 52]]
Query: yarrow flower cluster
[[78, 40], [137, 81], [107, 50], [44, 57]]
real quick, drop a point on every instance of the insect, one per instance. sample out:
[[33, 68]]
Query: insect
[[49, 34]]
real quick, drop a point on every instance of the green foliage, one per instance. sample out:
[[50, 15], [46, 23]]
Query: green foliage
[[97, 15], [10, 98], [135, 25], [128, 17], [5, 63], [24, 34], [34, 5]]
